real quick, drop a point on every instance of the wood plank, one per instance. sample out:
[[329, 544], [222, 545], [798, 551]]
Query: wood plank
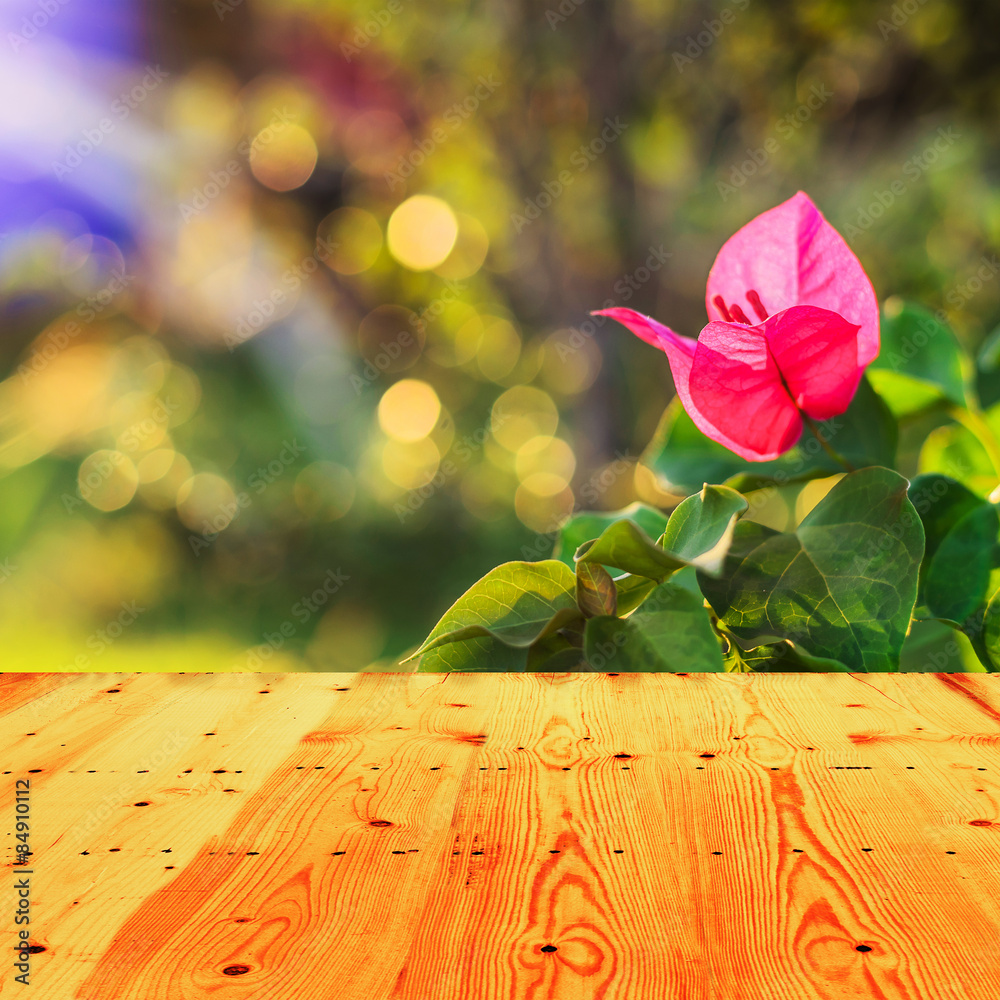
[[407, 836]]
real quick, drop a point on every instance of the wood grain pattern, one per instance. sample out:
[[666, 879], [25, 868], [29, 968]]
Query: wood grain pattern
[[429, 836]]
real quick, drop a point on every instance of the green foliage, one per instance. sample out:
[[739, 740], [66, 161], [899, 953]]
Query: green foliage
[[708, 588], [671, 631], [516, 605], [919, 363], [961, 532], [842, 585], [684, 458], [582, 528], [595, 590]]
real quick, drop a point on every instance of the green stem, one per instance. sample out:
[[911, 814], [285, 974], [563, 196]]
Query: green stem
[[836, 456]]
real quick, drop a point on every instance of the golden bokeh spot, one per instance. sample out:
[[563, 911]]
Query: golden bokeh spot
[[469, 252], [467, 339], [324, 491], [160, 480], [545, 454], [543, 513], [409, 410], [521, 413], [139, 422], [351, 239], [283, 156], [484, 494], [649, 490], [421, 232], [499, 348], [206, 503], [141, 363], [544, 484], [155, 465], [180, 394], [410, 464], [107, 479]]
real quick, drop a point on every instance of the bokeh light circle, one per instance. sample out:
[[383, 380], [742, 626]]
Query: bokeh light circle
[[421, 232], [107, 479], [283, 156], [349, 240], [409, 410]]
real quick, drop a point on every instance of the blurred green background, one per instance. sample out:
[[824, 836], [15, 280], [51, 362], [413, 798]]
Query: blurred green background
[[295, 336]]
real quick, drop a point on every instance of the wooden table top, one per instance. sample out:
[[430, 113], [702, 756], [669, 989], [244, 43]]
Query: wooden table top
[[506, 836]]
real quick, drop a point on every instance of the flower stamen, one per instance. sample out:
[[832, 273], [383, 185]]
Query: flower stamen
[[739, 316], [758, 307], [721, 306]]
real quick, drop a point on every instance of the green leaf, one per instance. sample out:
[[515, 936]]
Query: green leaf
[[595, 590], [583, 527], [698, 533], [779, 657], [478, 655], [632, 591], [932, 646], [700, 529], [626, 546], [991, 633], [670, 632], [961, 533], [957, 452], [566, 660], [841, 586], [919, 362], [988, 370], [683, 458], [517, 604]]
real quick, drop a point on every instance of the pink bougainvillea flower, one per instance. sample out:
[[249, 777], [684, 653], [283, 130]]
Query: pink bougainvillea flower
[[747, 383]]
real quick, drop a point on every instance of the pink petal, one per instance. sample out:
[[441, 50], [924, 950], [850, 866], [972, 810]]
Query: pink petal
[[817, 353], [736, 388], [764, 420], [790, 255]]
